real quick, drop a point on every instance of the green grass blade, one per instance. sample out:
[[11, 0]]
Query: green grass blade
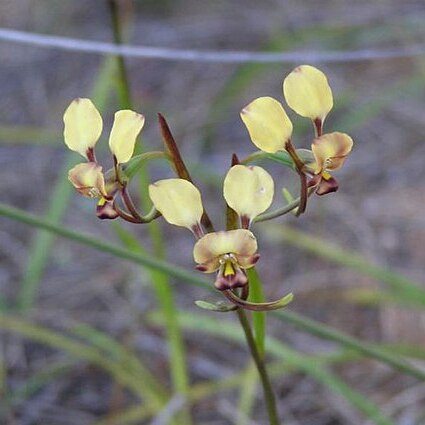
[[203, 390], [165, 297], [295, 358], [188, 277], [406, 289], [160, 281], [247, 394], [42, 243], [40, 378], [256, 294], [122, 355], [326, 332], [28, 135], [82, 351]]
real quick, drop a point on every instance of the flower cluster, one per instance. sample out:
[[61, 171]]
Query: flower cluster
[[83, 127], [247, 189], [307, 92]]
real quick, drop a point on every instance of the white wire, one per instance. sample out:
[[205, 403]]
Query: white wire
[[77, 45]]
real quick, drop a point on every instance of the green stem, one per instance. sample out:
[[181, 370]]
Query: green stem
[[261, 367], [278, 212], [255, 156], [281, 211], [301, 322], [122, 78]]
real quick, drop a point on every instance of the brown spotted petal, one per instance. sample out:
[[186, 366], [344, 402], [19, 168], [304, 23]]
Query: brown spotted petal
[[105, 209], [331, 150], [88, 179], [224, 281], [327, 185], [247, 261], [208, 250]]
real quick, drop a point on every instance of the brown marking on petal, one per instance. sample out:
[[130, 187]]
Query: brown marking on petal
[[255, 258], [245, 222], [106, 211], [235, 160], [314, 181], [327, 186], [201, 267], [247, 261], [237, 280], [197, 230], [318, 125], [90, 155]]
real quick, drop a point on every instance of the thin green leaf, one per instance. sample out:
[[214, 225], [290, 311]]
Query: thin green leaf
[[406, 289], [42, 243], [256, 295], [293, 357], [188, 277]]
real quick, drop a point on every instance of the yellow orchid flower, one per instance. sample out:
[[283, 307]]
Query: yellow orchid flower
[[179, 201], [307, 92], [330, 152], [88, 179], [83, 127], [248, 190], [229, 252], [267, 123]]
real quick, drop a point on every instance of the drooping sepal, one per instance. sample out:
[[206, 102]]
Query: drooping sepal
[[327, 184], [331, 150], [218, 306], [88, 179], [213, 249], [266, 306], [105, 210]]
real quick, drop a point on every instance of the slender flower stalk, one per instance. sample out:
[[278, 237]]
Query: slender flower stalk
[[269, 396], [248, 190]]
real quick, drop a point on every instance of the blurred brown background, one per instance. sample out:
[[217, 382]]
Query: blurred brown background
[[378, 212]]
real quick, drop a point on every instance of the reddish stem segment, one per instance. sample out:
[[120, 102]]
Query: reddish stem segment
[[299, 166], [178, 162]]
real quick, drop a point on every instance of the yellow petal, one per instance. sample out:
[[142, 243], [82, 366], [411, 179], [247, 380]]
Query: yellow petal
[[331, 150], [127, 126], [88, 179], [307, 92], [208, 249], [268, 125], [83, 125], [178, 200], [248, 190]]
